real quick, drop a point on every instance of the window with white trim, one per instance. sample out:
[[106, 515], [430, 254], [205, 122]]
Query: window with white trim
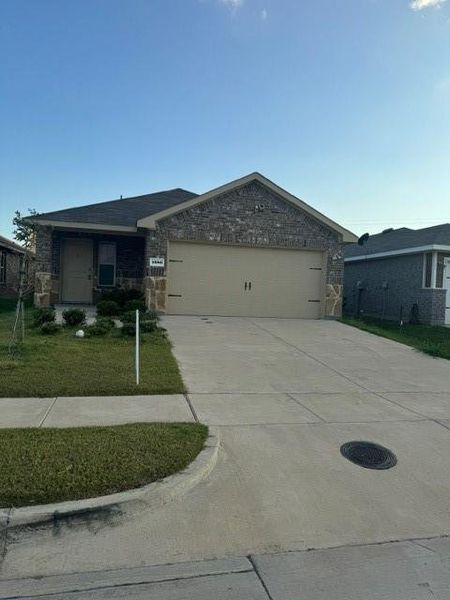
[[427, 270], [2, 266], [106, 264]]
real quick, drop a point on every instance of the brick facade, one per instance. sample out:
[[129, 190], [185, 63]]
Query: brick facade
[[129, 262], [389, 287], [248, 216], [12, 261]]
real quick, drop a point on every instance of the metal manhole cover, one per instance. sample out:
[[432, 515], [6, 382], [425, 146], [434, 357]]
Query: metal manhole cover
[[369, 455]]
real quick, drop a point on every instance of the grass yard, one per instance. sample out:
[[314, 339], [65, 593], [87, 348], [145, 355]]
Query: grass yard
[[39, 466], [431, 340], [63, 365]]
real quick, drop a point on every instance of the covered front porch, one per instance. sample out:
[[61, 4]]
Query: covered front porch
[[78, 266]]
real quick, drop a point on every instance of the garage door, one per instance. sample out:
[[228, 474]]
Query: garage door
[[207, 279]]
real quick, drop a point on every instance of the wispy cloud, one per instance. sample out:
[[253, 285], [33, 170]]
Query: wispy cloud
[[421, 4], [264, 14], [233, 4]]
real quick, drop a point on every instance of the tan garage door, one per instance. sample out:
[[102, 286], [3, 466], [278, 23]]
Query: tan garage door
[[215, 279]]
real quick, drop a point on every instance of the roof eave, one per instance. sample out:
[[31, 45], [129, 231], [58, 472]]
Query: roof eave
[[151, 221], [80, 225], [399, 252]]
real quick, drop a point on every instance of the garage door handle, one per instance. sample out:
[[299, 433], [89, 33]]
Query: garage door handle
[[249, 285], [245, 286]]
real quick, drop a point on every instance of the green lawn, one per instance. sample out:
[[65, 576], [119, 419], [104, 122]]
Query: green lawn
[[431, 340], [39, 466], [63, 365]]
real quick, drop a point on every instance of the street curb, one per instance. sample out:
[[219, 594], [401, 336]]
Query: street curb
[[150, 496]]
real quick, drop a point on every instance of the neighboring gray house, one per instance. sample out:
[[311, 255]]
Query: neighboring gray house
[[11, 255], [248, 248], [397, 269]]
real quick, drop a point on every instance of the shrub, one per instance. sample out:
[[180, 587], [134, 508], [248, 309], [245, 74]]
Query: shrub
[[42, 315], [49, 328], [74, 316], [148, 326], [95, 329], [122, 296], [108, 308], [105, 322], [134, 294], [128, 317], [152, 315], [128, 329], [135, 305]]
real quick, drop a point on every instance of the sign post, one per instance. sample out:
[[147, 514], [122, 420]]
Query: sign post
[[137, 347]]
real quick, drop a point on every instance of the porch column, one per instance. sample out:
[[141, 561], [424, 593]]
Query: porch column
[[43, 275], [434, 261], [155, 281]]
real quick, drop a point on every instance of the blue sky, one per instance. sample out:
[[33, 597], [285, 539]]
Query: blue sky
[[345, 103]]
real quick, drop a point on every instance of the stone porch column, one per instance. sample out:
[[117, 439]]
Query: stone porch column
[[43, 273], [155, 280]]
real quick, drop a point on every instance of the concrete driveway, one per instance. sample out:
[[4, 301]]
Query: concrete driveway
[[284, 395]]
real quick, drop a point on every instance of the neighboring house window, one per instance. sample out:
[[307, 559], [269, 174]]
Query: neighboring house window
[[2, 267], [106, 264], [428, 269], [440, 269]]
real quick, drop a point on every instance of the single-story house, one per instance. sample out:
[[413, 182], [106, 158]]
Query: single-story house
[[400, 272], [11, 256], [247, 248]]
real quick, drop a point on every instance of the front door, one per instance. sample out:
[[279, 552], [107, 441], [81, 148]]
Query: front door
[[447, 287], [77, 270]]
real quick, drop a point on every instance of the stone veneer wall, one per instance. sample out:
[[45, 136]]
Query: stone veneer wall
[[250, 216], [129, 265]]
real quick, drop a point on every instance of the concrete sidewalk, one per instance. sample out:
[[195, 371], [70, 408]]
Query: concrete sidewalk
[[85, 411], [411, 570]]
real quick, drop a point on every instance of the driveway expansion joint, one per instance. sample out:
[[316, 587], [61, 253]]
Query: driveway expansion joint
[[48, 411], [336, 371], [259, 576], [191, 407]]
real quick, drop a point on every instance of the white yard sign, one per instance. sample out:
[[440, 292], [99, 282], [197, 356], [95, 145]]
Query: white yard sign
[[157, 261]]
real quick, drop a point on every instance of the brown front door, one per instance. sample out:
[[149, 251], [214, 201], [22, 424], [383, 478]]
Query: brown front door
[[77, 271]]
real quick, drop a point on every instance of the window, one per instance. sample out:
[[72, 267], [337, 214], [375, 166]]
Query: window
[[106, 264], [428, 269], [2, 267]]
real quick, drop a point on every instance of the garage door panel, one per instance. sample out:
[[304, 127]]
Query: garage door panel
[[211, 279]]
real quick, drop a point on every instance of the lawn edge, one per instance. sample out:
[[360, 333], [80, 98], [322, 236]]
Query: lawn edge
[[386, 337], [150, 496]]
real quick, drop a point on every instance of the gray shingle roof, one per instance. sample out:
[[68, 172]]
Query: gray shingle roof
[[400, 239], [124, 212], [6, 243]]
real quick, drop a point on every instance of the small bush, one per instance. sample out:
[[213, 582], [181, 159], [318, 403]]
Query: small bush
[[49, 328], [135, 305], [134, 294], [128, 317], [42, 315], [148, 326], [105, 322], [95, 330], [108, 308], [152, 315], [122, 296], [128, 329], [74, 316]]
